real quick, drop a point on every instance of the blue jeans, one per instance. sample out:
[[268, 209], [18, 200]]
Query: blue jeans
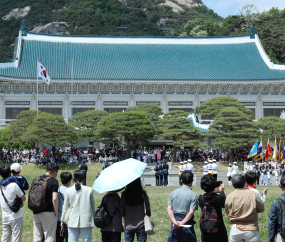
[[140, 232], [86, 234]]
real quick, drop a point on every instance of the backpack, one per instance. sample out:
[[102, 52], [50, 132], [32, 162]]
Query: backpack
[[282, 205], [102, 217], [209, 220], [37, 201]]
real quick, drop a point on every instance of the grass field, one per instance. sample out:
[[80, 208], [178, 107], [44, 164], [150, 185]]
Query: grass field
[[158, 201]]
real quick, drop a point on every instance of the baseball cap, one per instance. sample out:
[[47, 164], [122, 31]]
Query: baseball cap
[[16, 167]]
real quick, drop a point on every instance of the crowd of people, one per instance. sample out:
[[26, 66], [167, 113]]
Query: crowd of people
[[114, 154], [67, 212]]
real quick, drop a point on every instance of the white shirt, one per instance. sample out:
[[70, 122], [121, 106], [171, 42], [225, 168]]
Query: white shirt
[[10, 192], [180, 169], [205, 168], [185, 167], [215, 168], [190, 167], [235, 170], [230, 170]]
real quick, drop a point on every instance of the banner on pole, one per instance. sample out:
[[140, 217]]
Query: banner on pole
[[42, 73]]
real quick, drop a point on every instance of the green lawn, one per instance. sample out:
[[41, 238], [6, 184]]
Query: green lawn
[[158, 201]]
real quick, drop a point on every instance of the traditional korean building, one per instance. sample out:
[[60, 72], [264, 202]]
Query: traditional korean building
[[113, 73]]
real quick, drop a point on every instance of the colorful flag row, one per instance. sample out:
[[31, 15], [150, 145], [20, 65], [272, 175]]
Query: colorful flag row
[[277, 155]]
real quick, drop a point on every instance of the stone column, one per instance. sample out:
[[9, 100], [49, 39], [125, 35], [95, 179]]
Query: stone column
[[67, 111], [34, 102], [2, 112], [132, 101], [259, 109], [196, 101], [164, 104], [99, 103]]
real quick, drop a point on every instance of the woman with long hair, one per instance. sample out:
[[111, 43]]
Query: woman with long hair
[[134, 201], [81, 218]]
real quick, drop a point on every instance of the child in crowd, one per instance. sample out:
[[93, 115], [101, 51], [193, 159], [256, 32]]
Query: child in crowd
[[19, 180]]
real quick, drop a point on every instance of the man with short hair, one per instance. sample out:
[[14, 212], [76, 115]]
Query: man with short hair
[[65, 178], [275, 215], [251, 178], [182, 204], [45, 222], [242, 207], [12, 223]]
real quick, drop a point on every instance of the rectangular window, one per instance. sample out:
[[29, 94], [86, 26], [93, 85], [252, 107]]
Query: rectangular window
[[268, 112], [83, 103], [114, 110], [17, 103], [11, 113], [50, 103], [143, 103], [55, 111], [80, 110], [180, 103], [248, 103], [188, 110], [273, 104], [111, 103]]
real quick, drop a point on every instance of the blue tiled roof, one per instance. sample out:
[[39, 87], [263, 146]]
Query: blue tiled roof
[[143, 62]]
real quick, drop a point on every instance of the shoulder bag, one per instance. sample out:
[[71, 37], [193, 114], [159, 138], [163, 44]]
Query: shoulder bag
[[67, 214], [148, 224], [15, 205]]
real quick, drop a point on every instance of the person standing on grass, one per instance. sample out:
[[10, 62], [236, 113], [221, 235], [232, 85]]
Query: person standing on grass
[[182, 204], [134, 203], [275, 221], [12, 223], [62, 233], [242, 207], [251, 178], [217, 201], [45, 222], [81, 218]]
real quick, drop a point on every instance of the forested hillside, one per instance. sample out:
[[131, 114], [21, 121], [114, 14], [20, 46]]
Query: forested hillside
[[141, 18]]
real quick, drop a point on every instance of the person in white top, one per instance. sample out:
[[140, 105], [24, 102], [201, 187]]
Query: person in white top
[[250, 177], [205, 168], [250, 166], [229, 174], [210, 169], [276, 172], [185, 166], [190, 167], [215, 169], [12, 223], [235, 169]]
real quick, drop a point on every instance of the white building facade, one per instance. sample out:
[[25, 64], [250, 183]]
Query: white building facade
[[114, 73]]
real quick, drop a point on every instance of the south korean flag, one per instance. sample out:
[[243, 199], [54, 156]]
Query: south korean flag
[[43, 73]]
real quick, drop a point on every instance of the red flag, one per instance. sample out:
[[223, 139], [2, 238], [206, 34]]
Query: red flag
[[268, 153]]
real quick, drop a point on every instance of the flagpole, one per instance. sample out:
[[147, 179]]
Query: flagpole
[[71, 97], [37, 90]]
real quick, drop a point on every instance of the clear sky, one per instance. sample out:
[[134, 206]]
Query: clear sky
[[230, 7]]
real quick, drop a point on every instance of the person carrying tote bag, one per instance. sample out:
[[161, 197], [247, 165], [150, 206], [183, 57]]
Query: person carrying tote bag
[[79, 203], [133, 212]]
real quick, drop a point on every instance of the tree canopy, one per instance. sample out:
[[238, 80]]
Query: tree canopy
[[153, 111], [51, 130], [233, 129], [134, 126], [86, 124], [213, 106], [175, 125], [20, 125], [272, 127]]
